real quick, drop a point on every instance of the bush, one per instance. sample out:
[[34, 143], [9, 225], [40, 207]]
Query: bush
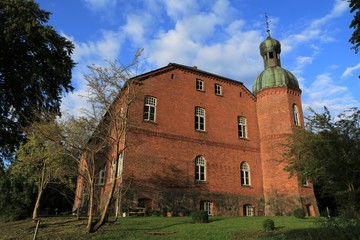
[[299, 213], [200, 216], [268, 224]]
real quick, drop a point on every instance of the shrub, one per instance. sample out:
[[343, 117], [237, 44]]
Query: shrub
[[299, 213], [156, 213], [199, 216], [268, 224]]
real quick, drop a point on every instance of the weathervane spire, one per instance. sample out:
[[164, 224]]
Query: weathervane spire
[[267, 24]]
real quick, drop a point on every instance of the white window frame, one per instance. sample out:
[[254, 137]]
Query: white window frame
[[121, 164], [245, 174], [200, 114], [242, 127], [200, 169], [102, 177], [304, 182], [249, 210], [149, 109], [207, 207], [296, 115], [200, 85], [218, 89]]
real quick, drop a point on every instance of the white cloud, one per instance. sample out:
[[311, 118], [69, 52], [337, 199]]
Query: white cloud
[[350, 70], [316, 28], [324, 92]]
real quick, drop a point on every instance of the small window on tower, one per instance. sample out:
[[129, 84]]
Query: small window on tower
[[271, 55]]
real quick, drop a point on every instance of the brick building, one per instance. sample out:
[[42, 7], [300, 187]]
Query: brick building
[[202, 141]]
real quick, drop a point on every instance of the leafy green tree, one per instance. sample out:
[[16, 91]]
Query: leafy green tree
[[35, 68], [355, 24], [39, 159], [328, 153]]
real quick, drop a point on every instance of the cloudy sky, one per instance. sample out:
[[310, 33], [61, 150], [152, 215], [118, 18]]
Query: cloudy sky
[[219, 36]]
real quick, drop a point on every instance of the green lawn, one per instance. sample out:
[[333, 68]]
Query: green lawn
[[167, 228]]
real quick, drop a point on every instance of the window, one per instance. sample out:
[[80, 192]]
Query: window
[[218, 89], [150, 109], [207, 207], [121, 163], [245, 174], [199, 85], [200, 169], [248, 210], [242, 131], [199, 119], [296, 115], [304, 182], [271, 55], [102, 177]]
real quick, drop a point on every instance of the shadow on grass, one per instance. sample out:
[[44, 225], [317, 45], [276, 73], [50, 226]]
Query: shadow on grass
[[337, 233]]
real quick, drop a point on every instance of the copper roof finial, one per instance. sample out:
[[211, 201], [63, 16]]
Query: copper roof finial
[[267, 24]]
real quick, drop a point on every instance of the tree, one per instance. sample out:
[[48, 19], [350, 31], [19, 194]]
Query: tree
[[96, 141], [355, 24], [35, 68], [40, 161], [327, 152], [111, 94]]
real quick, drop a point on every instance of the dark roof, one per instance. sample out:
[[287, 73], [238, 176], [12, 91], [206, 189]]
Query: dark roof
[[191, 69]]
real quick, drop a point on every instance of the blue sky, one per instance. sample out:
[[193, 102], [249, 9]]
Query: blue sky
[[219, 36]]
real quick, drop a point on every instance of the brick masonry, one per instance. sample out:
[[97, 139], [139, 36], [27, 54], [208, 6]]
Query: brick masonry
[[159, 161]]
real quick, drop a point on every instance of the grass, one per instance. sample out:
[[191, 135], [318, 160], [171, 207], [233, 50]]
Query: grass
[[131, 228]]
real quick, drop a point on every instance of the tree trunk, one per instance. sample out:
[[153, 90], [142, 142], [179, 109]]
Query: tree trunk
[[104, 211], [90, 208], [37, 203], [42, 184]]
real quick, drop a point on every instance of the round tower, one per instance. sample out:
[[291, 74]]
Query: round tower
[[279, 111]]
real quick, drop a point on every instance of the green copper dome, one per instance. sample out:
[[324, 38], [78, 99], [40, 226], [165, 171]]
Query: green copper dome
[[270, 45], [273, 75]]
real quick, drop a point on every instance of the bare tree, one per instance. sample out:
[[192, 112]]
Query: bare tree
[[111, 92]]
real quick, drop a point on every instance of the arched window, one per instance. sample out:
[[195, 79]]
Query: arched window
[[248, 210], [296, 115], [200, 169], [245, 174]]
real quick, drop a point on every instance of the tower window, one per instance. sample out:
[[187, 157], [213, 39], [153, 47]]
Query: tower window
[[150, 109], [199, 119], [271, 55], [199, 85], [218, 89], [242, 130], [296, 115], [200, 169]]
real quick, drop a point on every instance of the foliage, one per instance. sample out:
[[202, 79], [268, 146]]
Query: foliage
[[268, 224], [327, 153], [355, 24], [35, 68], [40, 161], [299, 213], [200, 216]]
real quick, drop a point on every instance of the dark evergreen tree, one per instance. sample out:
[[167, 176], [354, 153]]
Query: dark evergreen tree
[[35, 69], [355, 24]]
